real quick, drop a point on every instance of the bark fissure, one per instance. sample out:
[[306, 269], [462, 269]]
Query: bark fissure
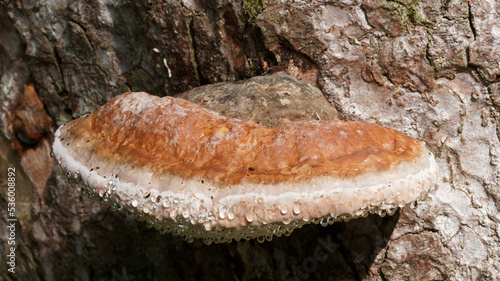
[[471, 20], [194, 53]]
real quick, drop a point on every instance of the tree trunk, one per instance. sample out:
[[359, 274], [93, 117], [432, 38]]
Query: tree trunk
[[430, 69]]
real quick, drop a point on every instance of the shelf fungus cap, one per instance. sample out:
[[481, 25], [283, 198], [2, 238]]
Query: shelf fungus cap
[[193, 172]]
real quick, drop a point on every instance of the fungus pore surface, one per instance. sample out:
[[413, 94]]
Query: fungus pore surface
[[193, 172]]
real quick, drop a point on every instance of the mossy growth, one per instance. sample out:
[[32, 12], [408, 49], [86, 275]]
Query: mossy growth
[[411, 15], [407, 14], [252, 8], [414, 15]]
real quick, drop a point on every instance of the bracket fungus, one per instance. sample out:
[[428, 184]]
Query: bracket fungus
[[195, 173]]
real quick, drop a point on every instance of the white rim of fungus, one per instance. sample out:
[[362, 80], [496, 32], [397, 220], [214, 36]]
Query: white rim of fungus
[[185, 201]]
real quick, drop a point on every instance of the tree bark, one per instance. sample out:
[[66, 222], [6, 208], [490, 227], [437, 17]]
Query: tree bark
[[428, 68]]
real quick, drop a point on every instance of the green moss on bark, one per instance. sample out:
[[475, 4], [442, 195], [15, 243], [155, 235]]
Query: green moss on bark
[[252, 8]]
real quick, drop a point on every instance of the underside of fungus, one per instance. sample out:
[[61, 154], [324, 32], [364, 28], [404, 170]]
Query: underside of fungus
[[195, 173]]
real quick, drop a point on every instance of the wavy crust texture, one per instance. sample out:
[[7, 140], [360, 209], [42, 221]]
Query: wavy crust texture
[[199, 174], [174, 136]]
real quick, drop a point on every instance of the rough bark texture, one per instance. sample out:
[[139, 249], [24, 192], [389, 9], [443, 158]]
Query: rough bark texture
[[428, 68]]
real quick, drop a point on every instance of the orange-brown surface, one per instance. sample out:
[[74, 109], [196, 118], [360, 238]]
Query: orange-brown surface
[[31, 122], [174, 136]]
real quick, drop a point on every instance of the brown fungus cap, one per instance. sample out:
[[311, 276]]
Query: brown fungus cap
[[194, 172], [271, 100]]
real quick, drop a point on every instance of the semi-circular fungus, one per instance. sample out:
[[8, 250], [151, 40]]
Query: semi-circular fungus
[[192, 172]]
